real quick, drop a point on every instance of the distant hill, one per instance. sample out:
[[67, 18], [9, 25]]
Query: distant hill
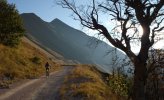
[[69, 42]]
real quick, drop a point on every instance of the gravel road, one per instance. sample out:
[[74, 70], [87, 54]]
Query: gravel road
[[38, 89]]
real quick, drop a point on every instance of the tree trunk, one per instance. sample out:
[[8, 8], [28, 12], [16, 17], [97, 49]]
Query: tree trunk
[[140, 74]]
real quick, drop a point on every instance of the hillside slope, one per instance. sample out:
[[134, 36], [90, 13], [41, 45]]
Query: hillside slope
[[70, 43], [86, 83], [23, 62]]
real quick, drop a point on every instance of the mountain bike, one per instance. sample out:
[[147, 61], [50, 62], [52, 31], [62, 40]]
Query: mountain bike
[[47, 73]]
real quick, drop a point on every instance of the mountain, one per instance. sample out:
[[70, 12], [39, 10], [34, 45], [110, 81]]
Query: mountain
[[69, 42]]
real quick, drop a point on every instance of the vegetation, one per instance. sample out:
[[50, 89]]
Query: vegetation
[[36, 60], [86, 83], [23, 62], [128, 15], [11, 27], [120, 85], [154, 87]]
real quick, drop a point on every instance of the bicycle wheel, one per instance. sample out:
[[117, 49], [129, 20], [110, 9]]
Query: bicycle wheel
[[47, 73]]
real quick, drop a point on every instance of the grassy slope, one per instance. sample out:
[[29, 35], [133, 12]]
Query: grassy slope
[[22, 62], [85, 83]]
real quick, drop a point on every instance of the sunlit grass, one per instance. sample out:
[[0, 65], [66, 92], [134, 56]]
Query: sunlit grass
[[22, 62], [85, 83]]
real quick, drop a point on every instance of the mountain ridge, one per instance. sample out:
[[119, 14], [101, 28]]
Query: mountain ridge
[[69, 42]]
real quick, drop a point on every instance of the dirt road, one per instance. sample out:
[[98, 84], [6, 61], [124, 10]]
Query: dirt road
[[39, 89]]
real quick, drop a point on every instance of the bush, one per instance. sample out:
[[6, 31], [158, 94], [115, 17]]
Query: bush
[[11, 27], [10, 72], [120, 85], [5, 84], [36, 60]]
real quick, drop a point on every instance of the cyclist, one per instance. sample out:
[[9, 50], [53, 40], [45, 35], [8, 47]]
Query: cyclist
[[47, 66]]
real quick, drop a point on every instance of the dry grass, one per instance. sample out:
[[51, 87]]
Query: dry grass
[[17, 63], [85, 83]]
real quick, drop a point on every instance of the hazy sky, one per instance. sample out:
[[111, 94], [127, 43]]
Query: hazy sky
[[46, 9]]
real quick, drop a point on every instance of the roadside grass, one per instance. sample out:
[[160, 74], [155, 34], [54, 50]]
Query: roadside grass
[[86, 83], [22, 62]]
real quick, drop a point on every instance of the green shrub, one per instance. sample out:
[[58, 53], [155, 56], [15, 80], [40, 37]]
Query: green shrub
[[36, 60], [11, 27], [120, 84]]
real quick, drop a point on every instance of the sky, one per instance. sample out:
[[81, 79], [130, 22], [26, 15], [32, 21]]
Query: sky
[[49, 10], [46, 10]]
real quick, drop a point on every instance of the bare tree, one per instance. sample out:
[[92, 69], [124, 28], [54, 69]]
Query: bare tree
[[129, 14]]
